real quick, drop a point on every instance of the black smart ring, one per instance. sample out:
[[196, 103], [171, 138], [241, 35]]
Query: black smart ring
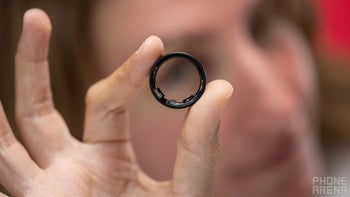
[[159, 95]]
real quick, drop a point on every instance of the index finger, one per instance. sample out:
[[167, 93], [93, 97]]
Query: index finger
[[106, 117]]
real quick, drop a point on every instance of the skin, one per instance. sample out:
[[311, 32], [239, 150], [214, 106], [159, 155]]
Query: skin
[[268, 138]]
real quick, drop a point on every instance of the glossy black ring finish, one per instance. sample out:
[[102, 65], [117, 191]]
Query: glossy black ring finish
[[159, 95]]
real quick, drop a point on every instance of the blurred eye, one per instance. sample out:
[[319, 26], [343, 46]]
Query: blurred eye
[[178, 79], [260, 20]]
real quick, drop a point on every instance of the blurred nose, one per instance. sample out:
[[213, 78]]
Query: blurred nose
[[262, 103]]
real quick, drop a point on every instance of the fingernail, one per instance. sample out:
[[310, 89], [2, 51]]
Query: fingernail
[[145, 44]]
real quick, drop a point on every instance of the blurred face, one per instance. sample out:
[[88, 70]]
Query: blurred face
[[267, 123]]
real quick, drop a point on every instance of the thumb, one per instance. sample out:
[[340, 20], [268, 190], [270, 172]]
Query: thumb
[[199, 142]]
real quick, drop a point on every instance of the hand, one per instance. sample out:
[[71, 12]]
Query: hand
[[53, 163]]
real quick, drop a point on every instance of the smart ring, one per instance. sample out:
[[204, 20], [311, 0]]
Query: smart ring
[[159, 95]]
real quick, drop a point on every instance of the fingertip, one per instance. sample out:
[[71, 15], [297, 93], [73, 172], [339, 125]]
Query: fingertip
[[148, 53], [152, 43], [158, 43], [215, 98], [36, 20], [221, 89], [34, 42]]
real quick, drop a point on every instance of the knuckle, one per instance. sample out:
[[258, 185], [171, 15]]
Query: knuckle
[[39, 108], [91, 94], [97, 99], [187, 146], [7, 138]]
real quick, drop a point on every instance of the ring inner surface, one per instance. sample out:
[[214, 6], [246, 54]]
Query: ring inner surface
[[178, 79]]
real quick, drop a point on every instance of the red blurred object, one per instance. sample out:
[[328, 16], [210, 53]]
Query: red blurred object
[[333, 27]]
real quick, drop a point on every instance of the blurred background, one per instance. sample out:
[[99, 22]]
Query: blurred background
[[332, 46]]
